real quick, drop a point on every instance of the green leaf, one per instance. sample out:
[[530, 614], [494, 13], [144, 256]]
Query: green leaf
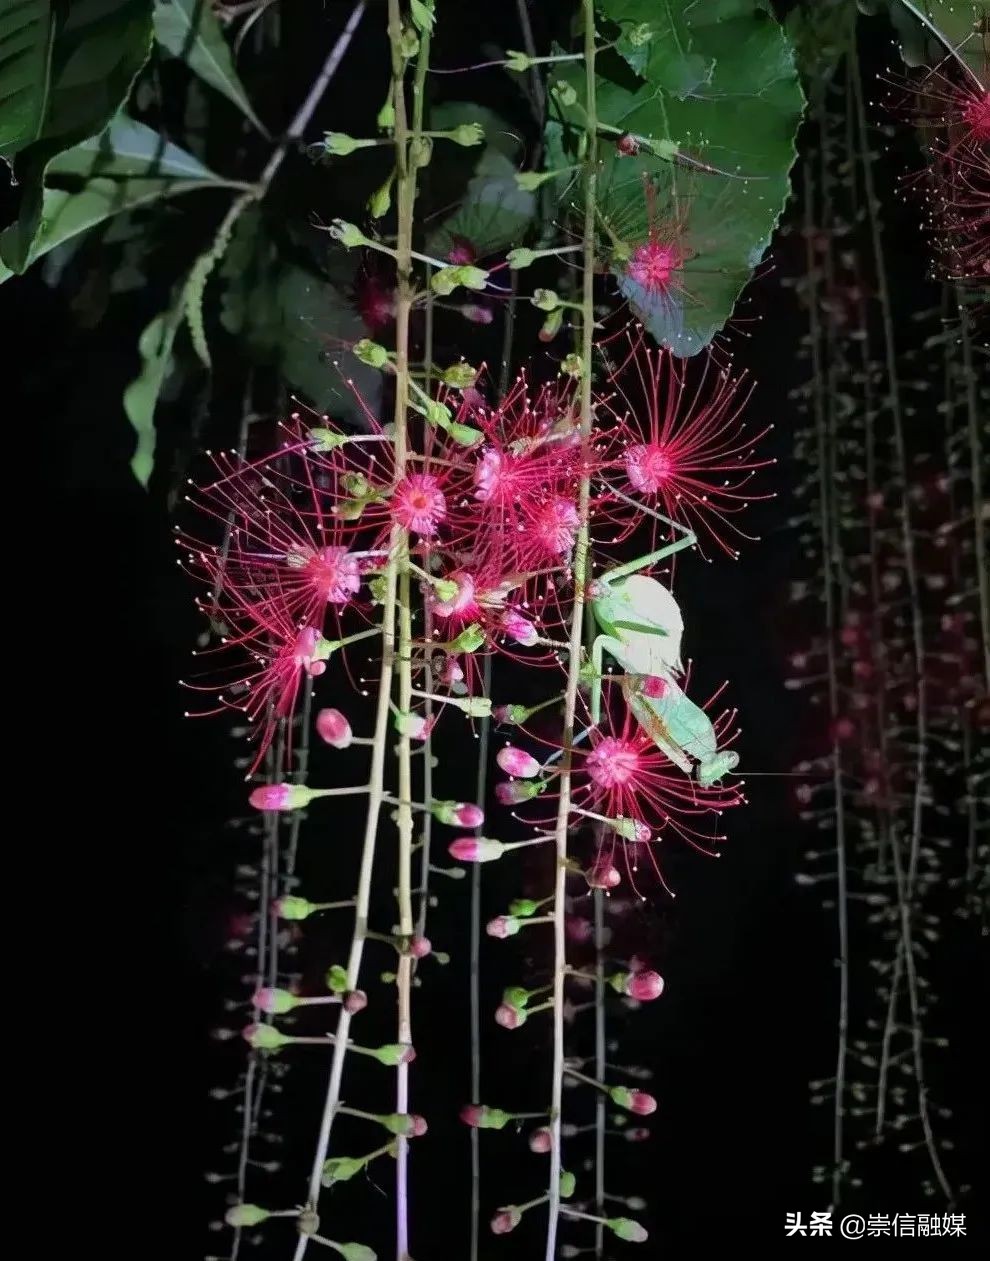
[[494, 211], [97, 48], [931, 30], [740, 118], [189, 30], [64, 214], [141, 396], [128, 148], [26, 31], [295, 321]]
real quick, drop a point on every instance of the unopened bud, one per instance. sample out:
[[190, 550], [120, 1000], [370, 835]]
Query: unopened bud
[[545, 299], [459, 376], [369, 352], [275, 1002], [480, 1117], [510, 1017], [336, 979], [467, 134], [245, 1215], [476, 849], [541, 1141], [503, 926], [567, 1184], [394, 1053], [348, 234], [521, 256], [264, 1037], [517, 762], [291, 907], [281, 797], [334, 729], [625, 1228]]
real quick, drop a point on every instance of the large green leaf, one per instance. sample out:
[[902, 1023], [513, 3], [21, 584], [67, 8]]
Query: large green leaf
[[26, 31], [493, 212], [740, 117], [129, 165], [97, 49], [127, 149], [189, 30]]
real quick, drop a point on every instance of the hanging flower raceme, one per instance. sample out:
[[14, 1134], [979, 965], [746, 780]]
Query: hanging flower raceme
[[685, 453], [621, 781], [951, 105]]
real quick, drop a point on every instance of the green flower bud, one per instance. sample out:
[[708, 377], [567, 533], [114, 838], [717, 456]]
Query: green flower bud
[[336, 979], [371, 353], [640, 35], [564, 92], [340, 145], [469, 640], [573, 366], [459, 376], [421, 151], [422, 14], [246, 1215], [437, 413], [386, 115], [408, 43], [348, 234], [341, 1169], [516, 996], [520, 257], [376, 586], [518, 62], [567, 1184], [356, 1252], [446, 589], [545, 300], [356, 484], [265, 1038], [467, 134], [291, 907], [393, 1054], [464, 435], [530, 181], [625, 1228], [380, 201], [322, 440], [523, 908]]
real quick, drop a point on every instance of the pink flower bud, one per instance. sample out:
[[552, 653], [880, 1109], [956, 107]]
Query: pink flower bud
[[510, 1017], [637, 1101], [518, 790], [477, 313], [644, 986], [333, 728], [520, 628], [273, 1001], [419, 947], [578, 929], [636, 1135], [517, 763], [603, 876], [503, 926], [451, 672], [355, 1001], [476, 849], [541, 1141], [461, 252], [280, 796], [506, 1219], [481, 1117]]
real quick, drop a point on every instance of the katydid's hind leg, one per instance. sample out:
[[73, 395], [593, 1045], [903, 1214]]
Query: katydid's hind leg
[[601, 644]]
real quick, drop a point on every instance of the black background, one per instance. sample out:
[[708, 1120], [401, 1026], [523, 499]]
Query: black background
[[146, 859]]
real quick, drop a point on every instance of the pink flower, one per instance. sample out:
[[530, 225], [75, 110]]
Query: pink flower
[[486, 474], [418, 503], [420, 947], [517, 763], [512, 793], [644, 986], [688, 454], [355, 1001], [552, 525], [520, 628], [334, 729], [510, 1017], [655, 687], [330, 571]]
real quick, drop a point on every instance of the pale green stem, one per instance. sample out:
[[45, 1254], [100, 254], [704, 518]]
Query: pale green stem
[[577, 622]]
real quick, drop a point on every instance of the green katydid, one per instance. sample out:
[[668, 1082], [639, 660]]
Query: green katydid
[[641, 629]]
